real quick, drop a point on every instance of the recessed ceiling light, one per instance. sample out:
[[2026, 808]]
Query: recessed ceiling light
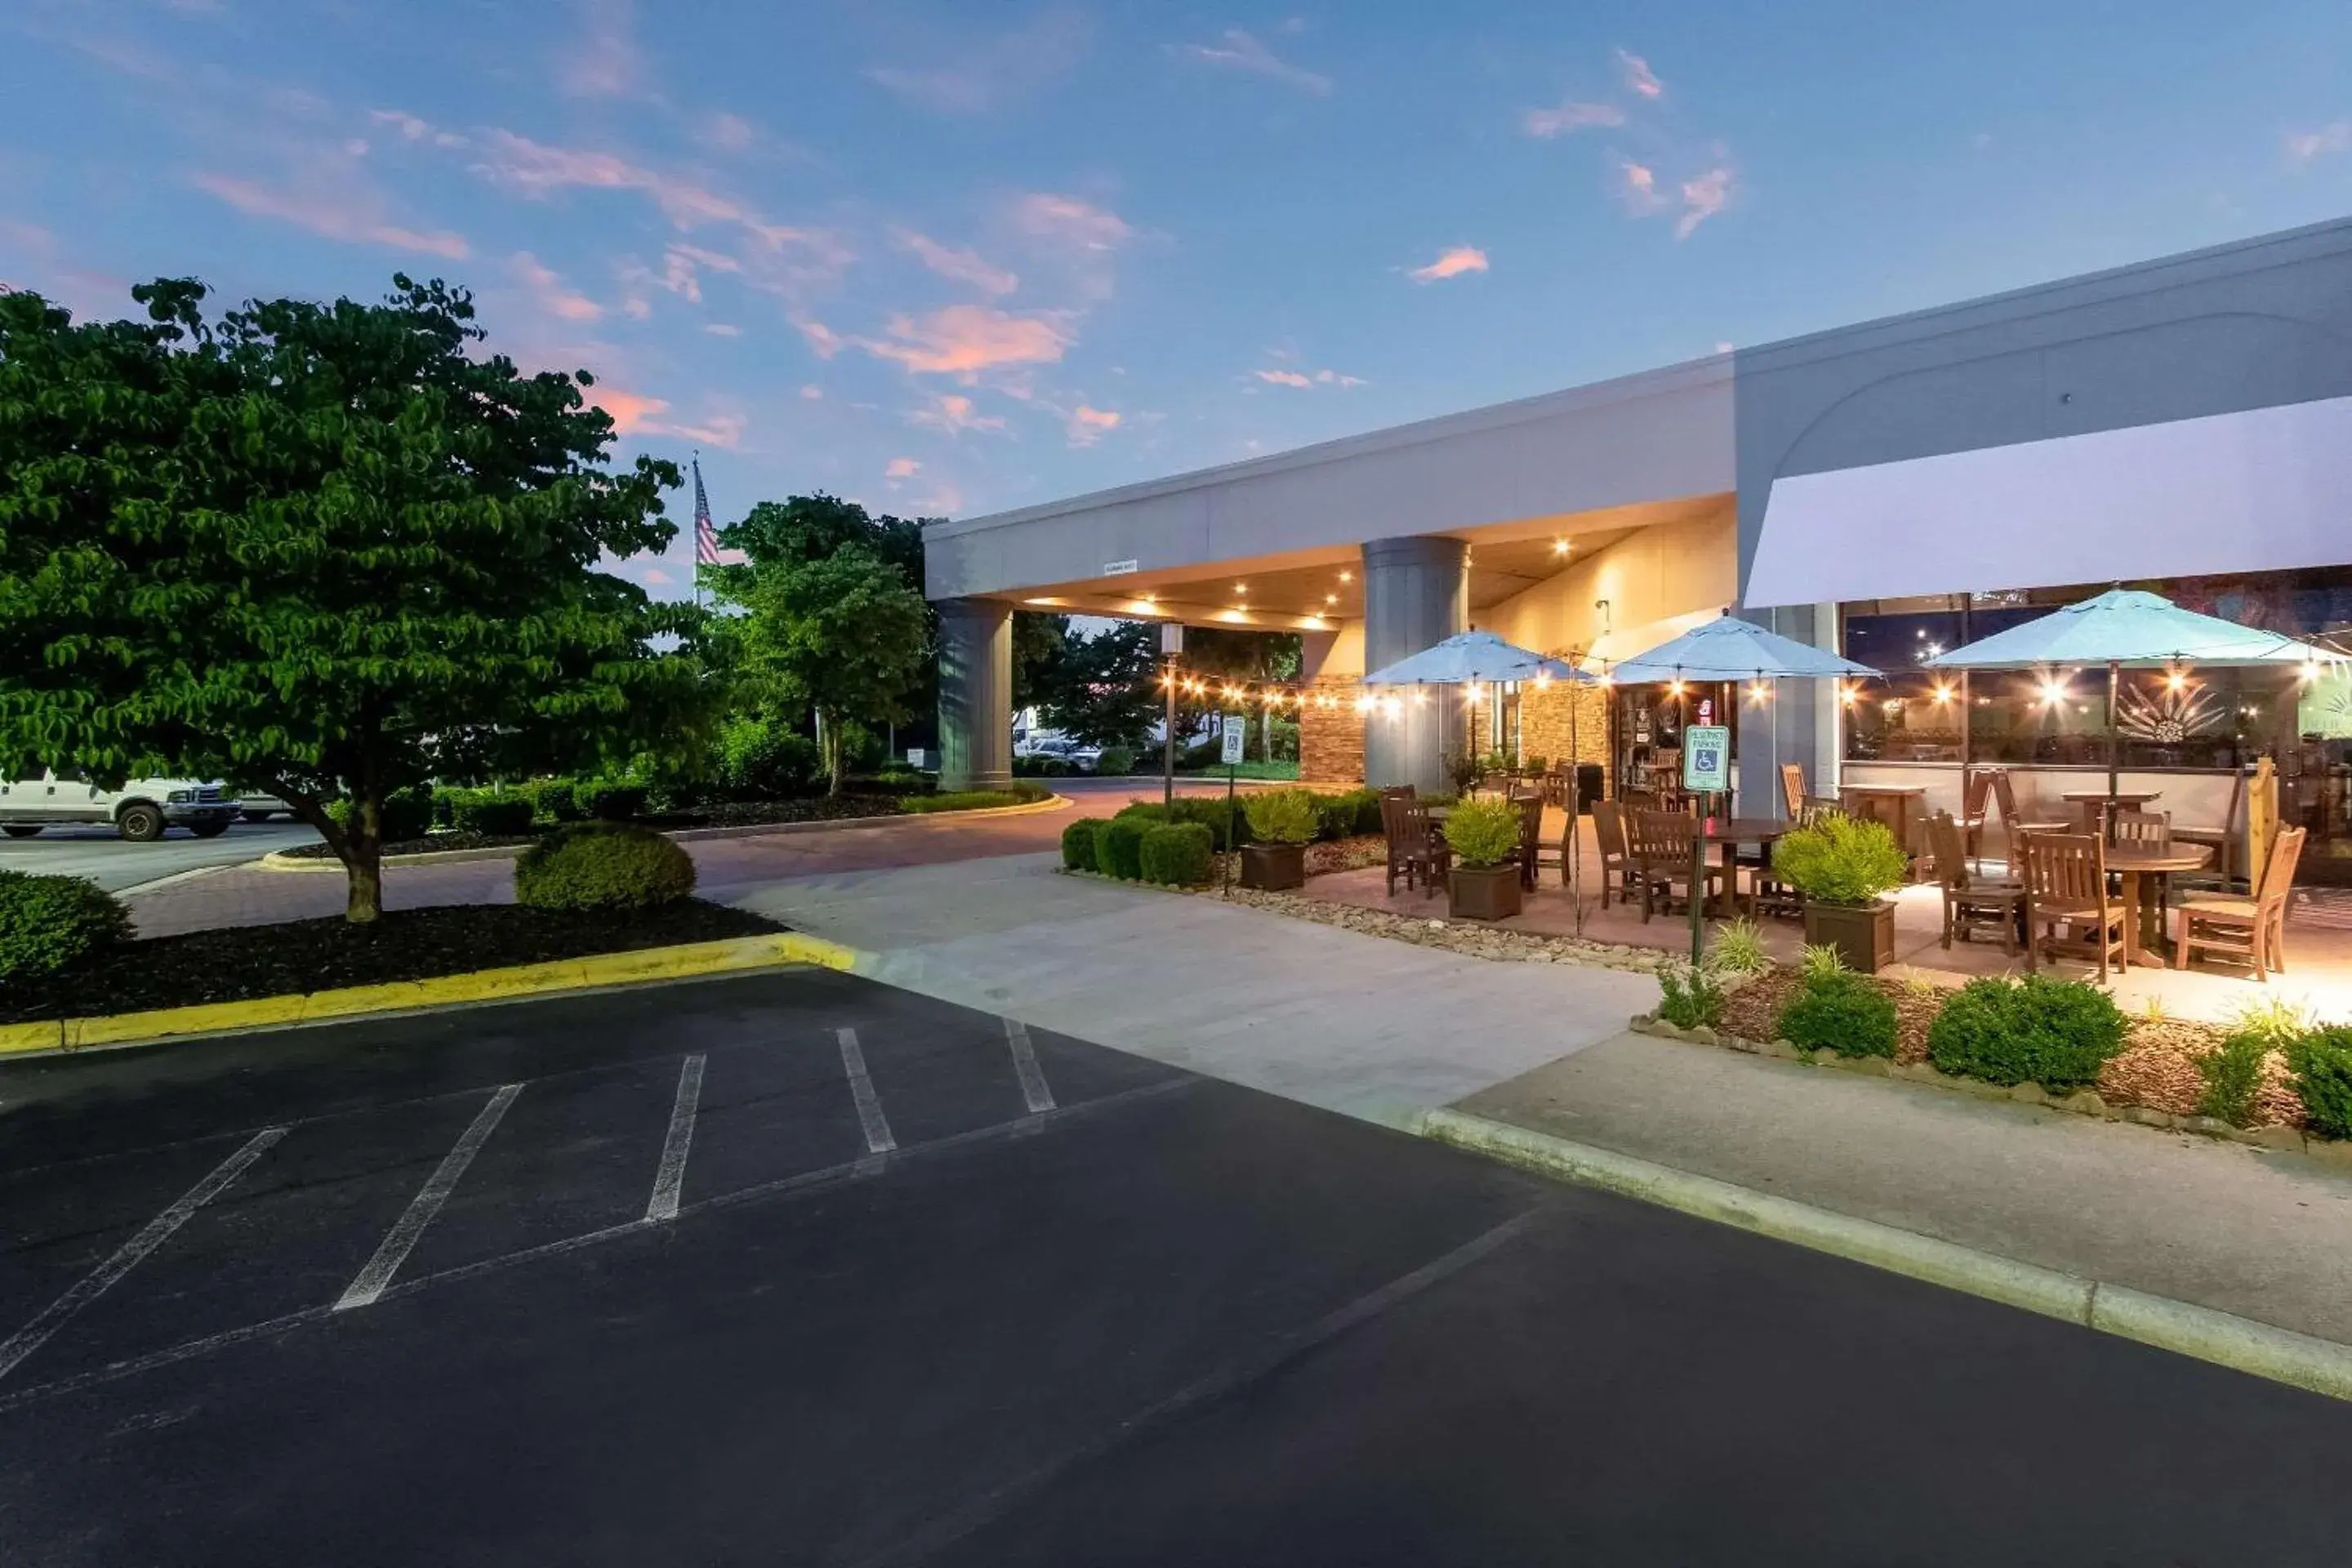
[[1331, 598], [1560, 547], [1240, 587], [1346, 577]]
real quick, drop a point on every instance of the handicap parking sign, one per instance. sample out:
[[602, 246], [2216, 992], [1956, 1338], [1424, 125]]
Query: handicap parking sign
[[1706, 759]]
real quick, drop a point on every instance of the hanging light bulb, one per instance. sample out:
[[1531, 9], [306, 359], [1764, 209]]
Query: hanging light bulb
[[1674, 689], [1943, 692]]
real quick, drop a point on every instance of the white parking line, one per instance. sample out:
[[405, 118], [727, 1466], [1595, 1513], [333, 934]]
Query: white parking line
[[153, 1235], [1025, 1062], [861, 1088], [393, 1251], [670, 1176]]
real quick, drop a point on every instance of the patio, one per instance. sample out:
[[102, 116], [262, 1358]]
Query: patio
[[2318, 938]]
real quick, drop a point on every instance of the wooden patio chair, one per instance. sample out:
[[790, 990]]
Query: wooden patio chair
[[1814, 807], [1661, 845], [2065, 878], [1969, 900], [1617, 869], [2013, 826], [2250, 930], [1792, 788], [1531, 809], [1976, 811], [2142, 829], [1415, 849], [1629, 800], [2221, 840]]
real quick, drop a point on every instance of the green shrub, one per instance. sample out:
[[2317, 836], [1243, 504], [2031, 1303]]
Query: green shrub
[[1841, 861], [1175, 852], [602, 866], [1823, 958], [612, 802], [51, 923], [1343, 814], [2232, 1071], [557, 800], [1842, 1013], [968, 800], [2055, 1033], [2321, 1062], [1484, 832], [1151, 810], [1738, 948], [1116, 761], [498, 816], [1281, 816], [1228, 824], [1079, 843], [407, 814], [1688, 997], [1119, 846], [755, 760]]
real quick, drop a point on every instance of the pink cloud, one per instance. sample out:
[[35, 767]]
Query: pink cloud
[[1240, 51], [1702, 198], [962, 340], [812, 393], [901, 468], [722, 330], [538, 170], [547, 290], [952, 413], [996, 73], [629, 411], [1570, 116], [604, 61], [1285, 378], [716, 430], [1069, 221], [961, 266], [1087, 425], [1639, 78], [347, 215], [412, 129], [822, 341], [658, 577], [1451, 262], [1637, 186], [729, 132], [2302, 147]]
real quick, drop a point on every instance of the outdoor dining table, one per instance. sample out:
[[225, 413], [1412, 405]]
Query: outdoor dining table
[[1903, 808], [2147, 874], [2090, 804], [1732, 832]]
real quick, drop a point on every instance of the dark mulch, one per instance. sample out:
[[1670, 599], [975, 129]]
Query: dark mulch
[[247, 962], [721, 814]]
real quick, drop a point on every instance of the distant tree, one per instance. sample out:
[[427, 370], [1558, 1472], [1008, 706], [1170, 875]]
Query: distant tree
[[328, 550], [1222, 653], [1104, 689], [1038, 639], [841, 633]]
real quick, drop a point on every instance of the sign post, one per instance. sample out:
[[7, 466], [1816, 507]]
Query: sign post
[[1171, 645], [1234, 736], [1707, 772]]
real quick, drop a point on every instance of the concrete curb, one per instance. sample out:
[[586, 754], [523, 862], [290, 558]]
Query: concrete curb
[[597, 971], [2302, 1361], [280, 861]]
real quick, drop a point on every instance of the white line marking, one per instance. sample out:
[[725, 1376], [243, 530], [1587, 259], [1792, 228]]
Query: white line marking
[[393, 1251], [861, 1088], [1025, 1062], [153, 1235], [671, 1174]]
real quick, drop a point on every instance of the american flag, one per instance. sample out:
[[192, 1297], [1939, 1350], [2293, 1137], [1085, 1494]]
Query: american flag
[[705, 538]]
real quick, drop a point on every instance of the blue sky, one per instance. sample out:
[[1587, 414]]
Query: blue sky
[[959, 258]]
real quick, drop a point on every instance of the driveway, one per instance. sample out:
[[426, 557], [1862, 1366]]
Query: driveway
[[99, 853], [797, 1267]]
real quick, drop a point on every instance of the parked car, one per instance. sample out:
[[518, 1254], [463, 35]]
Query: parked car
[[261, 808], [141, 810], [1055, 748]]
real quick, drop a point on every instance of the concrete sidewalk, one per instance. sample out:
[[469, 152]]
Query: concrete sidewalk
[[2260, 1234], [1377, 1029]]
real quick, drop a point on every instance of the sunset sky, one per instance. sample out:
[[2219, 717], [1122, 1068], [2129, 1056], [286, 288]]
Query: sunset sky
[[958, 257]]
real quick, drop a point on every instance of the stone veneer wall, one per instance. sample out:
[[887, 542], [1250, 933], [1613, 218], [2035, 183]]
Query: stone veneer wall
[[1331, 740]]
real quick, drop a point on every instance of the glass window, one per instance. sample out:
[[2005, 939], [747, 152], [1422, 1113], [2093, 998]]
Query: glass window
[[2056, 717], [1907, 718]]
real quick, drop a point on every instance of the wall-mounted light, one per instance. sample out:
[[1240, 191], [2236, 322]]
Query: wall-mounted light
[[1346, 577], [1560, 547]]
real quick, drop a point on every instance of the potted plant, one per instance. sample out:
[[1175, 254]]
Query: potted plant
[[1845, 867], [1281, 822], [1484, 882]]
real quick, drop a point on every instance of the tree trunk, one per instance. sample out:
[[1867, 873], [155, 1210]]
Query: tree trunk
[[833, 753], [362, 853]]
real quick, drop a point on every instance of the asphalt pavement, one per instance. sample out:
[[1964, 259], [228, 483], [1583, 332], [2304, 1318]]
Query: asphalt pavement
[[100, 853], [796, 1267]]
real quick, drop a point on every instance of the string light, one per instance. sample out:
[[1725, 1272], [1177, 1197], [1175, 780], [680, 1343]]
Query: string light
[[2053, 691], [1758, 690], [1943, 692], [2175, 679], [1674, 689], [2310, 669]]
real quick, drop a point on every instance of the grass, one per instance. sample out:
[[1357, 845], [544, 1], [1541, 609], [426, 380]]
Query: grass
[[1287, 772]]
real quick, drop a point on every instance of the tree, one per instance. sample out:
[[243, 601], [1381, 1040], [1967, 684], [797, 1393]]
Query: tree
[[841, 633], [1038, 638], [320, 550], [1104, 689], [1246, 657]]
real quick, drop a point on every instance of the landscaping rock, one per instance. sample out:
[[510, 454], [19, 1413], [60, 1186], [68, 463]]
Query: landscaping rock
[[2084, 1102], [2147, 1116], [2211, 1126], [2284, 1138], [1825, 1058], [2029, 1093]]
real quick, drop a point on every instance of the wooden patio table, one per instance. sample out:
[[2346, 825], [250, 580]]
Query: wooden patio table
[[2147, 874], [1731, 832], [1903, 808], [2091, 805]]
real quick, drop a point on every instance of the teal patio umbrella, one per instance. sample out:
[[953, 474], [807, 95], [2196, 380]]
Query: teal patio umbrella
[[2128, 628]]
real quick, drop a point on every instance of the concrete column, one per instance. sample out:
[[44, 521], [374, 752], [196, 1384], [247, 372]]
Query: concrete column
[[975, 694], [1416, 594], [1803, 724]]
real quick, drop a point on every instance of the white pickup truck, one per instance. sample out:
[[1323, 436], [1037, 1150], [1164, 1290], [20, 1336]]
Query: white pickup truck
[[141, 810]]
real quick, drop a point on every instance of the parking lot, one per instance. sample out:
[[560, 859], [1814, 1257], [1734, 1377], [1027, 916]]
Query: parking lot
[[796, 1267], [96, 851]]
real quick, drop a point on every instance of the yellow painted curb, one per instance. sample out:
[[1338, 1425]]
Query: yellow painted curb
[[480, 985]]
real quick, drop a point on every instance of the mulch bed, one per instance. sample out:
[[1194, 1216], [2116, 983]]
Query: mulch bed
[[2156, 1068], [244, 963], [724, 813]]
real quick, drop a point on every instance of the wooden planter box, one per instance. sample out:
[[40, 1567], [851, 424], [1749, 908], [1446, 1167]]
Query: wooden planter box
[[1487, 893], [1865, 937], [1274, 867]]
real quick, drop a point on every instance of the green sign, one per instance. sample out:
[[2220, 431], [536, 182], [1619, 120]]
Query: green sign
[[1706, 759]]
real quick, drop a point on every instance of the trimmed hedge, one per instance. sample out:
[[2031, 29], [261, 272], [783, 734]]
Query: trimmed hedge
[[972, 799], [1119, 846], [602, 866], [1079, 843], [1843, 1013], [2321, 1062], [1175, 852], [497, 815], [558, 800], [2055, 1033], [1348, 813], [612, 802], [51, 923]]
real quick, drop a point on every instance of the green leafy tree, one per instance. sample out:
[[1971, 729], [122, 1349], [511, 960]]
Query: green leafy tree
[[1224, 653], [1037, 643], [319, 550], [1104, 689], [841, 633]]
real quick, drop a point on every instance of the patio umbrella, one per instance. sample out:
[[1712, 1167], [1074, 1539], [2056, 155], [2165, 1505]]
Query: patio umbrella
[[2127, 628], [1728, 648]]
